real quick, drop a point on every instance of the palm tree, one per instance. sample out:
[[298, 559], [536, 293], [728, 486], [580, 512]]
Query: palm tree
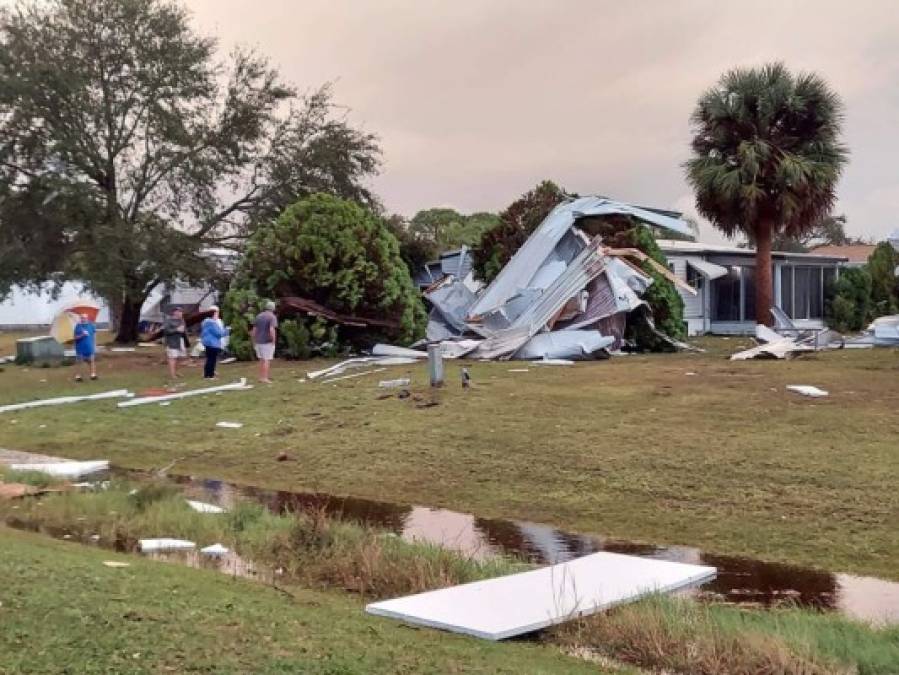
[[766, 159]]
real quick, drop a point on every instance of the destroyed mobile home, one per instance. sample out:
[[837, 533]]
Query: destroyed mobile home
[[563, 295]]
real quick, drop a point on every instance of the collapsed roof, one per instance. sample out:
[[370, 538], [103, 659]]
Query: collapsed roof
[[561, 281]]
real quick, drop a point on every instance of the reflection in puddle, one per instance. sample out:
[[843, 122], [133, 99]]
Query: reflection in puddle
[[739, 580]]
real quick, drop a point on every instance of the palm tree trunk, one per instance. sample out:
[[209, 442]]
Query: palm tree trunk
[[764, 286]]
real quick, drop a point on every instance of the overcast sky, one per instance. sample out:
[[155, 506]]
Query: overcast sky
[[475, 102]]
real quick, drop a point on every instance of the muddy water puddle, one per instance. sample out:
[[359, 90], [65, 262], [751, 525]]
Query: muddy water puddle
[[743, 581]]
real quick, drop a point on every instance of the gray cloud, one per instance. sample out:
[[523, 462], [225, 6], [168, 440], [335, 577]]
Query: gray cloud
[[475, 101]]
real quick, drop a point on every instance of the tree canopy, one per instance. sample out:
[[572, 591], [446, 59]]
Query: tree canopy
[[334, 252], [766, 159], [882, 265], [829, 231], [516, 223], [127, 145], [430, 232]]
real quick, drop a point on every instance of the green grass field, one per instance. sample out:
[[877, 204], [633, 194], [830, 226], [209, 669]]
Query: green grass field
[[62, 610], [636, 447]]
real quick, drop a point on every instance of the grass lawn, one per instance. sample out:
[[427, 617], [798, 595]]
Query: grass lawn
[[63, 611], [635, 447]]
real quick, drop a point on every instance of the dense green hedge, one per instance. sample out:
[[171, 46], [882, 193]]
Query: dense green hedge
[[336, 253]]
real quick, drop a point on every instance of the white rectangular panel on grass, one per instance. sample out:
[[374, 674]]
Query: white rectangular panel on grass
[[65, 469], [504, 607]]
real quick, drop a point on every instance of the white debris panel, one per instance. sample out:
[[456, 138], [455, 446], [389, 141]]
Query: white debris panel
[[561, 278], [240, 385], [496, 609], [65, 469], [61, 400]]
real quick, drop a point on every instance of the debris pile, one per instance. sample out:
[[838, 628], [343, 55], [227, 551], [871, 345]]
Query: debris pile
[[786, 340], [563, 295]]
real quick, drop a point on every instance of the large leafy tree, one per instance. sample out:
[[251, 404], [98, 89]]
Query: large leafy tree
[[882, 265], [516, 223], [336, 253], [430, 232], [766, 159], [127, 146]]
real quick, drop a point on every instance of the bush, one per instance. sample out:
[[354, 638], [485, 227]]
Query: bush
[[884, 282], [337, 254], [848, 305], [293, 339]]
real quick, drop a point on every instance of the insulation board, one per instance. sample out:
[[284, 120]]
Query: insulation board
[[504, 607]]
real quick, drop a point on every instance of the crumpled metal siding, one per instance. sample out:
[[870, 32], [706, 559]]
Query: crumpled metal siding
[[526, 262]]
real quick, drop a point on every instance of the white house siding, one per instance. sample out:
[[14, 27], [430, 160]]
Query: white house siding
[[25, 310], [694, 305]]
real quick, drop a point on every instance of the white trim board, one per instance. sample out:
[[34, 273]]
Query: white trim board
[[496, 609], [65, 469], [117, 393], [234, 386]]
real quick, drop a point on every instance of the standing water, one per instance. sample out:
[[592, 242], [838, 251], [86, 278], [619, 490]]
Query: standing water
[[740, 580]]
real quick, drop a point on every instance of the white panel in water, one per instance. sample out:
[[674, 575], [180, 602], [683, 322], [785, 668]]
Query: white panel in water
[[500, 608]]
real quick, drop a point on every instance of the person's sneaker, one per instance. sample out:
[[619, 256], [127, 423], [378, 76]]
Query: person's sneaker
[[94, 377], [78, 378], [265, 381]]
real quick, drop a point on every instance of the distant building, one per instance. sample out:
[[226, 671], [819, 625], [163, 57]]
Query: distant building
[[724, 276], [856, 254], [24, 309]]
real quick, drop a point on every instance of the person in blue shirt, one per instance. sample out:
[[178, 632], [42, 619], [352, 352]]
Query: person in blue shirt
[[85, 347], [212, 330]]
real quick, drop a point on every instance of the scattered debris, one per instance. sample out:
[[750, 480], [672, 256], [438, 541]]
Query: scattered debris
[[554, 362], [403, 393], [393, 384], [466, 378], [427, 404], [241, 385], [203, 507], [215, 550], [229, 425], [64, 469], [353, 375], [500, 608], [381, 349], [164, 544], [115, 564], [519, 370], [226, 361], [807, 390], [882, 332], [360, 362], [117, 393], [122, 350], [282, 457], [294, 305]]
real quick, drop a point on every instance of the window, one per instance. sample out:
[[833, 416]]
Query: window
[[694, 278], [748, 274], [726, 296], [802, 290]]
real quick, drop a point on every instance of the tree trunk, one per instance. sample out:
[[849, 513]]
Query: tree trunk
[[129, 320], [764, 286]]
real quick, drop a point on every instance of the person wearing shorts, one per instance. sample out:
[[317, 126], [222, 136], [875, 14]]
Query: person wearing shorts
[[85, 347], [264, 335], [174, 331]]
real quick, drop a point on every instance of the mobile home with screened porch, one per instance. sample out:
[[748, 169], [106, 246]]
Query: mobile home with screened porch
[[724, 277]]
